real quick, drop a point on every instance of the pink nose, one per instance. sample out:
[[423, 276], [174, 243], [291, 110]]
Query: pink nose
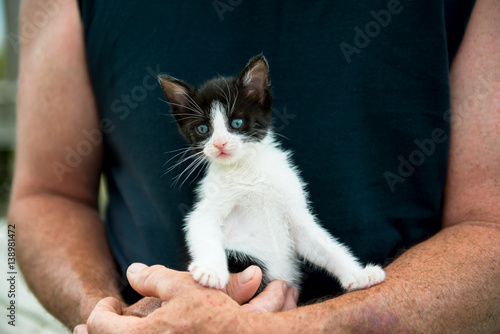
[[220, 146]]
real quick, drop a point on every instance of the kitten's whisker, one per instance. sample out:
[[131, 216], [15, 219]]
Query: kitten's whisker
[[186, 150], [228, 91], [183, 159], [194, 104], [191, 117], [192, 167], [234, 102], [198, 112], [201, 162], [182, 154], [225, 95], [205, 162], [186, 115], [177, 150], [280, 135], [181, 105]]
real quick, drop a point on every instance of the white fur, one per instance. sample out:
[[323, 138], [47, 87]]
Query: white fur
[[253, 201]]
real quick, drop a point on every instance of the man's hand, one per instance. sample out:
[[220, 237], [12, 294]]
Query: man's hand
[[177, 298], [241, 287]]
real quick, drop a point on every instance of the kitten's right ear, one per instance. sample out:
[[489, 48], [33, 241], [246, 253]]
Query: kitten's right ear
[[255, 80], [176, 91]]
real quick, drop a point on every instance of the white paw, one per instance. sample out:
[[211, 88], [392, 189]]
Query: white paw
[[209, 276], [371, 275]]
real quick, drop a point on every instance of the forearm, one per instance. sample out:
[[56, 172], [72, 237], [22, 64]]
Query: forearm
[[61, 243], [63, 254], [449, 283]]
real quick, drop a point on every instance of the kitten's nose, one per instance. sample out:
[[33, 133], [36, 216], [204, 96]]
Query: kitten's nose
[[220, 146]]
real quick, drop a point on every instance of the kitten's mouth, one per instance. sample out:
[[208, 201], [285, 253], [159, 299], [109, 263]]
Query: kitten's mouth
[[223, 155]]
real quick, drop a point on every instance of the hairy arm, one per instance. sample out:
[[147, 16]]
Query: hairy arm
[[61, 244], [451, 282]]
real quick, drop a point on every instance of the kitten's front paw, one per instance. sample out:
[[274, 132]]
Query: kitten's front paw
[[209, 276], [371, 275]]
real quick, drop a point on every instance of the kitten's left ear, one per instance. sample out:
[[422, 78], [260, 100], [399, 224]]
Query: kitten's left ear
[[255, 80], [176, 91]]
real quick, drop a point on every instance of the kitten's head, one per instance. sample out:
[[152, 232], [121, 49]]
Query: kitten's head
[[224, 116]]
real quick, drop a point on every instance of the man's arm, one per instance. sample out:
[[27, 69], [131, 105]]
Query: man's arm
[[451, 282], [61, 244]]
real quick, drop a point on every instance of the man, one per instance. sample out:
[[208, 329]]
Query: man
[[448, 282]]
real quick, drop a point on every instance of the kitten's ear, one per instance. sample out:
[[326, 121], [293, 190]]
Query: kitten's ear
[[176, 91], [255, 80]]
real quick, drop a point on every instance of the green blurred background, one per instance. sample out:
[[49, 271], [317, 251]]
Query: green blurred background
[[9, 49]]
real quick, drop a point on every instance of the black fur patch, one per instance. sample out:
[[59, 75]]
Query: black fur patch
[[238, 262], [247, 97]]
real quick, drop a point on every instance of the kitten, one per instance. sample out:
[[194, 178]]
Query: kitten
[[251, 200]]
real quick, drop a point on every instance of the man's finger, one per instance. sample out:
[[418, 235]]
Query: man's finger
[[143, 307], [109, 304], [80, 329], [272, 299], [157, 281], [106, 318], [242, 286], [291, 299]]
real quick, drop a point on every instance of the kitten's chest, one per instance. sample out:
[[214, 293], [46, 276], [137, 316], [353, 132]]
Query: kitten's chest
[[248, 188], [256, 228], [257, 211]]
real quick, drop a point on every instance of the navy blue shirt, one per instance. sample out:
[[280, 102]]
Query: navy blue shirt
[[361, 93]]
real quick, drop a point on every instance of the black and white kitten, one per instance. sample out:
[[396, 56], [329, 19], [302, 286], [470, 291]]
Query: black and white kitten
[[251, 200]]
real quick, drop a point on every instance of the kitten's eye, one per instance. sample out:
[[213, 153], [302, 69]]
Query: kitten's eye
[[236, 123], [202, 129]]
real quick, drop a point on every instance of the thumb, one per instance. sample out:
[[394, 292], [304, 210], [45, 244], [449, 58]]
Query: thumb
[[109, 304], [155, 281], [80, 329], [106, 317], [242, 286]]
